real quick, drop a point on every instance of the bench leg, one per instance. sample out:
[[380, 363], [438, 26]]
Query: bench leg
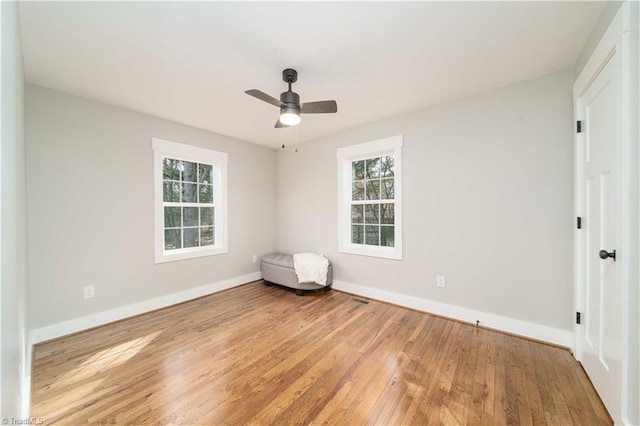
[[298, 292]]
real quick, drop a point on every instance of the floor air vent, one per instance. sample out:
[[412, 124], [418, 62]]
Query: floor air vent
[[364, 302]]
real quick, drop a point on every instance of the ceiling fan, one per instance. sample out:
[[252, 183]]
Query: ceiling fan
[[289, 103]]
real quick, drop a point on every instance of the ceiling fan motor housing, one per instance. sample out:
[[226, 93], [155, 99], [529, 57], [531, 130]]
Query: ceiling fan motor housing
[[289, 97]]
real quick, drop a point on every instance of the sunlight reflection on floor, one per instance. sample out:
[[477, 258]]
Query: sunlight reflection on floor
[[103, 361]]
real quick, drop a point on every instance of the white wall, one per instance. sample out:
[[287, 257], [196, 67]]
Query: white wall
[[487, 203], [634, 340], [633, 328], [90, 193], [13, 248]]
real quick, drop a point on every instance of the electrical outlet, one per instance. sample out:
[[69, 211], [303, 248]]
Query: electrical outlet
[[440, 282], [89, 291], [254, 258]]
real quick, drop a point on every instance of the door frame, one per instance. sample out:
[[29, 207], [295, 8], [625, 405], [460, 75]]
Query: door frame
[[622, 39]]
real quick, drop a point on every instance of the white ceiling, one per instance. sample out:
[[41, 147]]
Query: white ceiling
[[191, 62]]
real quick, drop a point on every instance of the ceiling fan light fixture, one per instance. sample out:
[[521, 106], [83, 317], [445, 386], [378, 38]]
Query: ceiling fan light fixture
[[289, 102], [289, 116]]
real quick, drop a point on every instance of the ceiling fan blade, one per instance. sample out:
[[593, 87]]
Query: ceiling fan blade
[[279, 125], [263, 97], [319, 107]]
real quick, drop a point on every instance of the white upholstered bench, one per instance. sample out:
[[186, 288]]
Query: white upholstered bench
[[277, 268]]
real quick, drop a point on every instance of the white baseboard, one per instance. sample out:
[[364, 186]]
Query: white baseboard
[[526, 329], [25, 376], [522, 328], [25, 390], [64, 328]]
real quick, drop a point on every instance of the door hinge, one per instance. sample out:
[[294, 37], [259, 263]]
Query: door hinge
[[578, 319], [579, 222], [579, 126]]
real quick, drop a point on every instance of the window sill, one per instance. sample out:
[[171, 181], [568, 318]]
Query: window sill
[[184, 254], [393, 253]]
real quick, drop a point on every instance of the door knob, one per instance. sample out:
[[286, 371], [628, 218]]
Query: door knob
[[604, 255]]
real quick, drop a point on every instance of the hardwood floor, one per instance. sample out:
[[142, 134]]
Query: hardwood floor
[[260, 355]]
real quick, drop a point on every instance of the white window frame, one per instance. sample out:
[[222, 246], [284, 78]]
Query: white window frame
[[168, 149], [346, 155]]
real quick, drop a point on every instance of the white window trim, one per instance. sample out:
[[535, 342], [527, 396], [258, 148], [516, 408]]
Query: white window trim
[[163, 148], [346, 155]]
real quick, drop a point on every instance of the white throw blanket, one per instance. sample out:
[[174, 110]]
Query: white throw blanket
[[311, 267]]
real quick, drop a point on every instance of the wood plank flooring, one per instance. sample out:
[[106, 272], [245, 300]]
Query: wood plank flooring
[[262, 355]]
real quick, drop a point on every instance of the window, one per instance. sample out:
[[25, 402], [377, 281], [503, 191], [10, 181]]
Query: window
[[190, 201], [370, 189]]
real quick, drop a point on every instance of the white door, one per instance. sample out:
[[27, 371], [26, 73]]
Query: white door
[[599, 336]]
